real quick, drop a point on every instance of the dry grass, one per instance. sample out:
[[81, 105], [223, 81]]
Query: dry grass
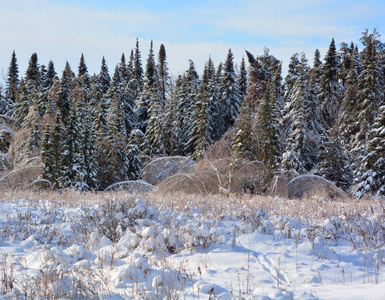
[[308, 209], [313, 208]]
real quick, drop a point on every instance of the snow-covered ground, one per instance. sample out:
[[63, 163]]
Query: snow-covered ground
[[129, 249]]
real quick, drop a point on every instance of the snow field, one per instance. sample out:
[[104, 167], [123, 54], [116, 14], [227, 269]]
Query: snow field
[[131, 249]]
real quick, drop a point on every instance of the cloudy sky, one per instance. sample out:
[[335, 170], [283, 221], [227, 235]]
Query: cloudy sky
[[61, 30]]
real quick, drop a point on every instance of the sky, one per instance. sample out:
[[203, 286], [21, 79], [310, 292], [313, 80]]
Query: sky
[[60, 30]]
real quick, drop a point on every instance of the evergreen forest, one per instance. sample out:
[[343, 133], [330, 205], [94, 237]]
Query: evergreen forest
[[325, 117]]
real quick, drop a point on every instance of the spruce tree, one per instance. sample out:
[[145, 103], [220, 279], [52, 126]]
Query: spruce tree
[[348, 118], [230, 95], [292, 74], [13, 81], [200, 134], [138, 70], [32, 76], [112, 156], [269, 148], [133, 162], [124, 74], [162, 70], [130, 66], [155, 129], [178, 130], [82, 69], [22, 104], [244, 142], [373, 179], [242, 79], [63, 102], [47, 156], [371, 94], [51, 73], [138, 138], [148, 93], [70, 154], [56, 147], [86, 177], [333, 160], [188, 109], [104, 77], [331, 89], [297, 156]]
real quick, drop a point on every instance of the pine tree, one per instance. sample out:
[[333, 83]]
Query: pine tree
[[373, 180], [13, 81], [334, 163]]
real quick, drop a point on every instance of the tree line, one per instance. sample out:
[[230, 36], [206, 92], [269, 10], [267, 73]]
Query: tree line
[[92, 131]]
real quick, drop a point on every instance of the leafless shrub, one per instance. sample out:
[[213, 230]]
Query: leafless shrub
[[222, 148], [20, 178], [159, 169], [190, 183]]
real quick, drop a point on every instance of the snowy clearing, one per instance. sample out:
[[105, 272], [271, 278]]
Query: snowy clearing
[[127, 248]]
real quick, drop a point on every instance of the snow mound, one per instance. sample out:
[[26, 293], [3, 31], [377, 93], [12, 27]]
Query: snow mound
[[164, 167]]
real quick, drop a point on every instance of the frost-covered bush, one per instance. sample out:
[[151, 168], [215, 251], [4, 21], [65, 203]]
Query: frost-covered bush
[[112, 218]]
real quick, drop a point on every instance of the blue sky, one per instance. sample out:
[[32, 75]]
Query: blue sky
[[61, 30]]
